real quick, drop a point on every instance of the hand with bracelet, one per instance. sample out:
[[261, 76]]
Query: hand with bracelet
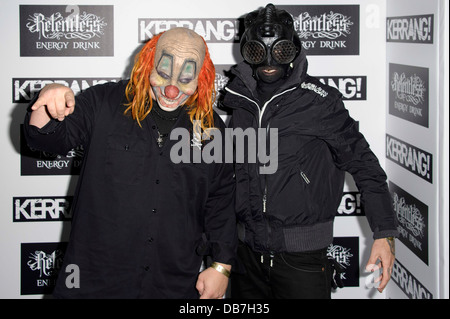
[[213, 281], [383, 249]]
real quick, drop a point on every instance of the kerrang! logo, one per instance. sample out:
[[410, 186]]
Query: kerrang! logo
[[212, 30], [82, 26]]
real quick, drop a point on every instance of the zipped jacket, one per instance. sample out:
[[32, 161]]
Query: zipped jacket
[[293, 208]]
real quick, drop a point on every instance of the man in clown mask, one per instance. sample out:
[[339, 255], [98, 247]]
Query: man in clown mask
[[285, 219], [141, 223]]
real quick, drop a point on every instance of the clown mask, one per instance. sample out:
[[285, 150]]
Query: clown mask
[[178, 59]]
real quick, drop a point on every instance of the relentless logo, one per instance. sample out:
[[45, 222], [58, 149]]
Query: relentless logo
[[45, 264], [350, 205], [408, 89], [329, 25], [327, 29], [412, 217], [410, 29], [40, 264], [409, 216], [345, 251], [24, 89], [66, 30], [42, 209], [409, 284], [410, 157], [212, 30], [76, 26], [408, 96]]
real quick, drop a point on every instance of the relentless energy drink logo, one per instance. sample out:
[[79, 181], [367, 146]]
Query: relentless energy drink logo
[[55, 30], [411, 158], [40, 264], [412, 217], [34, 162], [345, 251], [408, 93], [327, 29], [410, 29]]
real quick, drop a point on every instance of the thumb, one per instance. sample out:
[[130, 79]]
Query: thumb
[[70, 102], [200, 286], [372, 263]]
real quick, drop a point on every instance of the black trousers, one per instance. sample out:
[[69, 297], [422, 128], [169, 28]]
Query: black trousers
[[305, 275]]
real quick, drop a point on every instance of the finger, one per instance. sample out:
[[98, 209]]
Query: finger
[[60, 107], [386, 275], [39, 103], [372, 264], [51, 109], [70, 100], [200, 287]]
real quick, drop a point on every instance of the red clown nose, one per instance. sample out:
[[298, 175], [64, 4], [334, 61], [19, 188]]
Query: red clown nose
[[171, 91]]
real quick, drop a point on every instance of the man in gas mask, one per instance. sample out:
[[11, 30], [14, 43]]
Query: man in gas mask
[[141, 222], [285, 219]]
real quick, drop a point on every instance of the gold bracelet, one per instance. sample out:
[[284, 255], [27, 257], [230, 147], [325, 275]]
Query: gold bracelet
[[221, 269]]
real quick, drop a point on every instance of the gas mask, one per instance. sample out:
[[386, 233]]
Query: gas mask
[[270, 43], [178, 59]]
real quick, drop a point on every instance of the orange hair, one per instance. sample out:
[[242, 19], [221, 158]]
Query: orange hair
[[200, 104]]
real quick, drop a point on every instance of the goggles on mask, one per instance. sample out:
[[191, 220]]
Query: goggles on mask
[[283, 51], [269, 37]]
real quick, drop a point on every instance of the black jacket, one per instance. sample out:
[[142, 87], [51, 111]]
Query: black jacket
[[140, 223], [293, 209]]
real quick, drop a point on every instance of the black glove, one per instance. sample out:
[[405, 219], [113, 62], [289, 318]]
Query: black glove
[[336, 271]]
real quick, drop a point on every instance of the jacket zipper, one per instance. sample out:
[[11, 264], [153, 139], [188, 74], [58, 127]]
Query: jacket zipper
[[260, 111], [305, 178], [260, 115]]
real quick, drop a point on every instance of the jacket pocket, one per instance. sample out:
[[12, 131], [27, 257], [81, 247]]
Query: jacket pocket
[[125, 160]]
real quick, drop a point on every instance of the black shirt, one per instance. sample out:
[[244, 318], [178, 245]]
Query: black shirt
[[140, 223]]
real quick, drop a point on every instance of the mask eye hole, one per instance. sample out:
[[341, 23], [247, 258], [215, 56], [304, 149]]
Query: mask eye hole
[[254, 52], [284, 51]]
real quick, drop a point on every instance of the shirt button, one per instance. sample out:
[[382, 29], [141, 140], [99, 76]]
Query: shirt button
[[150, 239], [154, 210], [157, 181], [146, 268]]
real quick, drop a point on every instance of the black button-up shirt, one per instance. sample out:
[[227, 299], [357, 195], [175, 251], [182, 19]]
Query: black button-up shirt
[[140, 222]]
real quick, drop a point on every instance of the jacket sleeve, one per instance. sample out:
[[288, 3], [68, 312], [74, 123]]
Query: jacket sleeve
[[220, 218], [352, 153], [59, 137]]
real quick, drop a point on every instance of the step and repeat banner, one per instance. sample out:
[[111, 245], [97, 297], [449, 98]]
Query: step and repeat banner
[[83, 44], [415, 150]]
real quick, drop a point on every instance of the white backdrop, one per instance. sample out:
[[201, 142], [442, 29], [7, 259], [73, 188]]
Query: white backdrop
[[421, 195], [26, 62]]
